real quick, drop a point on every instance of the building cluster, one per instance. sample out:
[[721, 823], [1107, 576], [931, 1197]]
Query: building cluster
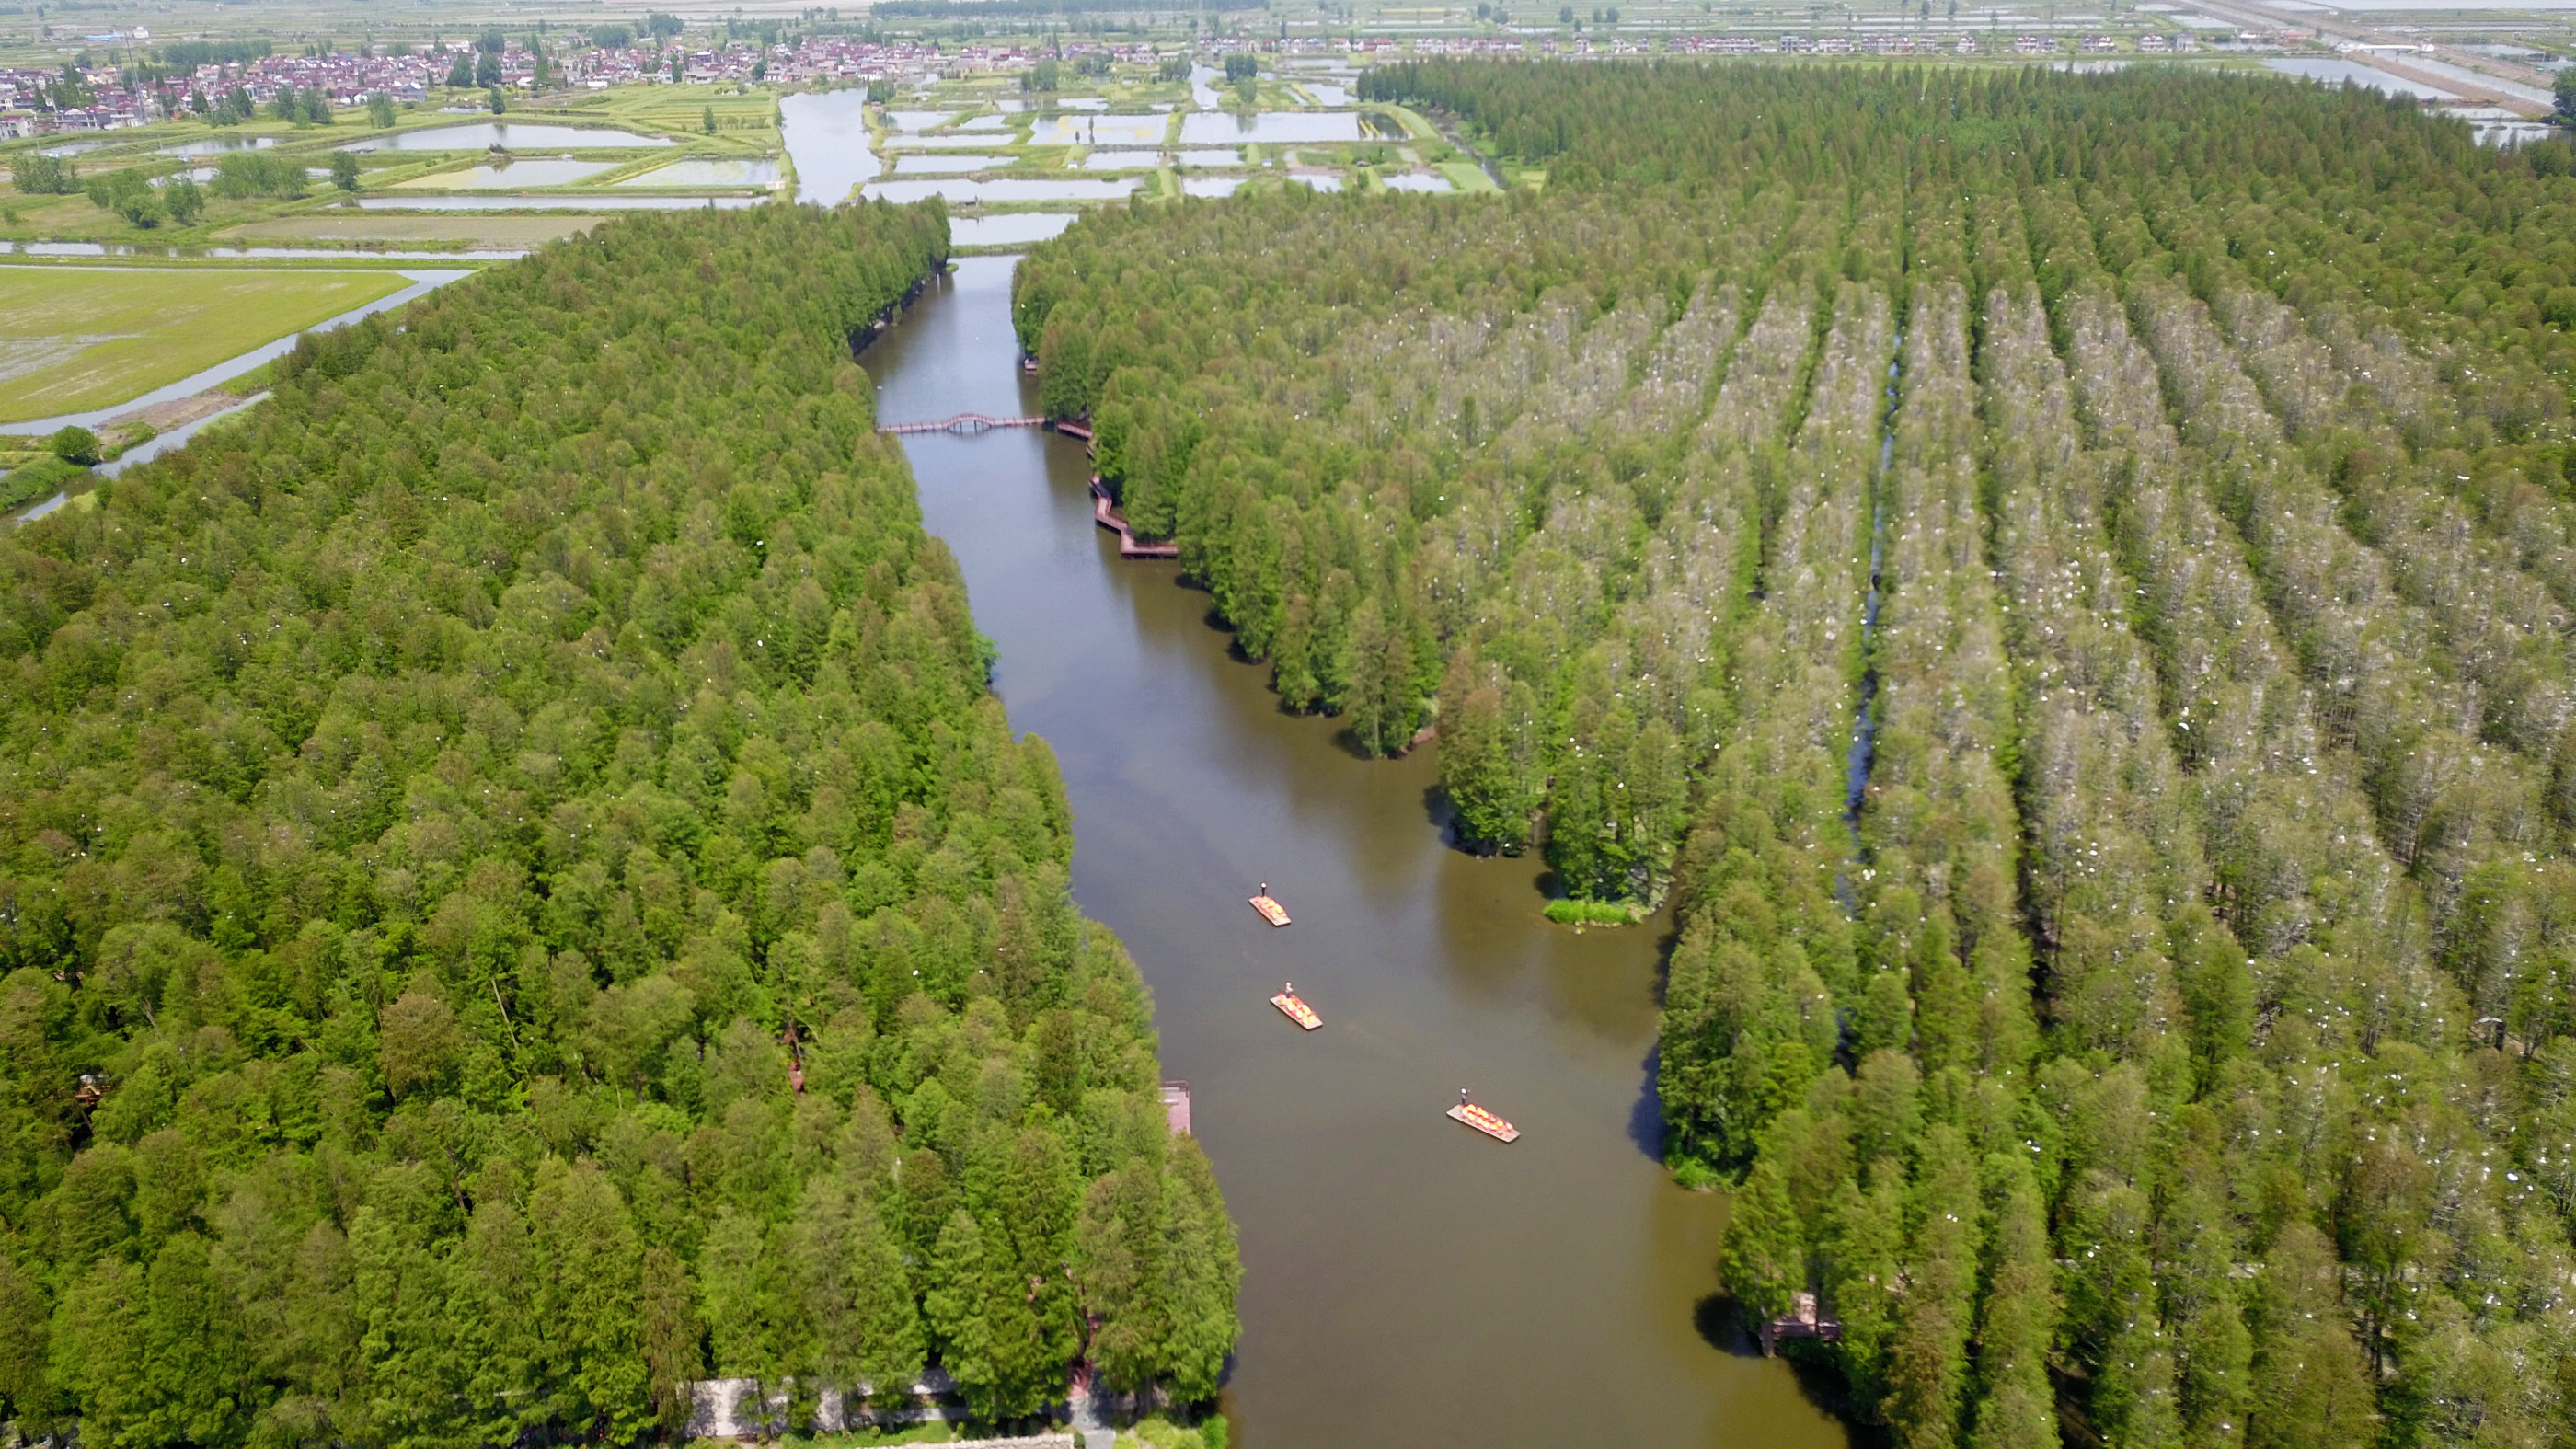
[[31, 105], [32, 101]]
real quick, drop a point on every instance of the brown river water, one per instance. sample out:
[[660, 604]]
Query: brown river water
[[1406, 1281]]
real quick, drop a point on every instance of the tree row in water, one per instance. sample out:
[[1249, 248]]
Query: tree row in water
[[2064, 579], [515, 896]]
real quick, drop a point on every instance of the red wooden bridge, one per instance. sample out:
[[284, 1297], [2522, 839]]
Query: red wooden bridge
[[964, 423]]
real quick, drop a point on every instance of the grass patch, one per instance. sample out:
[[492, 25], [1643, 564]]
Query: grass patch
[[1594, 913], [1695, 1175], [1414, 124], [1161, 1433], [74, 340], [39, 479], [1467, 176]]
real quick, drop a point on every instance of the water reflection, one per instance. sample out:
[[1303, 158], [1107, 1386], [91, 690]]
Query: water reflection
[[508, 135], [508, 173], [215, 145], [709, 171], [1003, 189], [1008, 229], [827, 141], [945, 161], [1268, 126], [1098, 131]]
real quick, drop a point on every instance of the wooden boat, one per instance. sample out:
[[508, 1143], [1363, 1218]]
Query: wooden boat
[[1295, 1009], [1271, 911], [1485, 1122]]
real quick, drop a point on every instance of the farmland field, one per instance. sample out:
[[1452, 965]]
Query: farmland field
[[87, 338]]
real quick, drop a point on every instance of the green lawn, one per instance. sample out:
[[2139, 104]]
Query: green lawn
[[1466, 176], [75, 339]]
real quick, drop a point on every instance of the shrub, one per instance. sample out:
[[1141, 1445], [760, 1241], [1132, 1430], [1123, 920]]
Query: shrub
[[76, 445]]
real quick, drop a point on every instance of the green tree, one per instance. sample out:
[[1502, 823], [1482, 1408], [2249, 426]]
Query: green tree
[[1120, 1247], [1205, 1271], [184, 202], [2563, 89], [420, 1046], [1765, 1256], [670, 1333], [858, 1296], [74, 444], [707, 120], [1378, 697], [966, 1290], [380, 111], [129, 195], [588, 1285], [344, 170], [26, 1390], [1481, 744], [750, 1303], [36, 174]]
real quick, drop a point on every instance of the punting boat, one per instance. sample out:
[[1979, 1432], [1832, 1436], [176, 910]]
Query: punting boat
[[1484, 1121], [1271, 911], [1295, 1009]]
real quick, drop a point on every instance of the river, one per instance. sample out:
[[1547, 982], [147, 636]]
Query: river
[[1406, 1282]]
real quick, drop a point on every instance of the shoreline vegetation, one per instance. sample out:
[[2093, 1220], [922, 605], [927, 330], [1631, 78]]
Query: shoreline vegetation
[[516, 895], [2165, 1031]]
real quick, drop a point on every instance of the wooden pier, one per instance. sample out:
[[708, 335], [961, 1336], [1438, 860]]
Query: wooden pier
[[1176, 1107], [1803, 1320]]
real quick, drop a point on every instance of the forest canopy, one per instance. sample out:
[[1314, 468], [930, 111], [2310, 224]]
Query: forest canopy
[[2065, 582], [515, 895]]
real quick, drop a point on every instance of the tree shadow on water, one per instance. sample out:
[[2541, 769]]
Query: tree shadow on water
[[1646, 1116]]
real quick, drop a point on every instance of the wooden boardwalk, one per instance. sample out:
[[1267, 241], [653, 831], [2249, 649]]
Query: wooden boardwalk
[[1105, 513], [1104, 509]]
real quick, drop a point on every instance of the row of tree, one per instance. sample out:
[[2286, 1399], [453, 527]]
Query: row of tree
[[2123, 752], [515, 896]]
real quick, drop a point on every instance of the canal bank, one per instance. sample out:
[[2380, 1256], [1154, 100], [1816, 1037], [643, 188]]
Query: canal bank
[[1406, 1281]]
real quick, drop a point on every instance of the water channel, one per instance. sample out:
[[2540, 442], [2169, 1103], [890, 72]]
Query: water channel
[[1406, 1282]]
